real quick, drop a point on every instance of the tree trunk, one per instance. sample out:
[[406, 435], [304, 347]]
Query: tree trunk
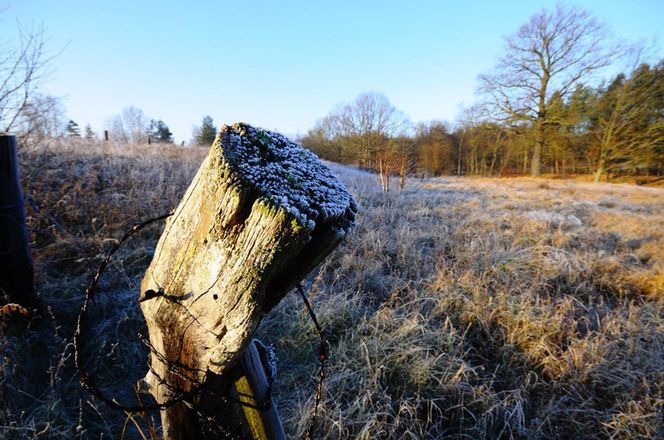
[[536, 164], [599, 172], [16, 268], [384, 172], [260, 214], [459, 158], [381, 173], [494, 157]]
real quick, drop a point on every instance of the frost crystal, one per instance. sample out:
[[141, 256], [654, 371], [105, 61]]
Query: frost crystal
[[288, 175]]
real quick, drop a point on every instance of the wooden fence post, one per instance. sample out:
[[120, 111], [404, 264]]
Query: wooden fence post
[[260, 214], [16, 268], [253, 389]]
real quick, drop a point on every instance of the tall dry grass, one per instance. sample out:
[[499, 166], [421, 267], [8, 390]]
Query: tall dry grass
[[470, 308], [459, 308], [81, 197]]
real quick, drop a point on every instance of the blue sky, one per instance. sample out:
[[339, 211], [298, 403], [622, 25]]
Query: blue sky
[[282, 64]]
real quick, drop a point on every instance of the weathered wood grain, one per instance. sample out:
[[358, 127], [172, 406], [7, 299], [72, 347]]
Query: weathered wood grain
[[259, 215]]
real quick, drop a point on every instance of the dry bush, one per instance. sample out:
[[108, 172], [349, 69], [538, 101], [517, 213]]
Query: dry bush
[[459, 308]]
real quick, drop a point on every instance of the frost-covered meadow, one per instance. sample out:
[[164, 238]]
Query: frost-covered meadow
[[458, 308]]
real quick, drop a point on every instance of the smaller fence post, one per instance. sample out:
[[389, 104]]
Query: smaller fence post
[[253, 389], [16, 268]]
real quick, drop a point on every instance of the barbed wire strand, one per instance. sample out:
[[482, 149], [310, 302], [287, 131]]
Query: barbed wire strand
[[90, 292], [322, 357], [172, 366], [88, 383]]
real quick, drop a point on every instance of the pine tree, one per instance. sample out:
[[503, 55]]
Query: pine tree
[[627, 124], [206, 133], [163, 133], [159, 132], [89, 133], [72, 129]]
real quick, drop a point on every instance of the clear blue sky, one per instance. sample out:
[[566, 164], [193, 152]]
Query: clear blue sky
[[282, 64]]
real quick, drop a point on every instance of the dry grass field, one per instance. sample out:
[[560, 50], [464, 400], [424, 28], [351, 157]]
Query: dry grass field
[[459, 308]]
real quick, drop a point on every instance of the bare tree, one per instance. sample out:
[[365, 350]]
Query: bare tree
[[42, 116], [23, 65], [469, 138], [368, 122], [435, 147], [324, 139], [130, 126], [549, 55], [366, 129], [404, 158]]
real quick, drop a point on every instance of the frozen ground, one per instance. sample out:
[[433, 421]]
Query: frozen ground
[[457, 308]]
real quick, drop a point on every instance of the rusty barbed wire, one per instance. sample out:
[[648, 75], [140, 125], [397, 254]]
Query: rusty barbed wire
[[86, 379], [175, 368], [322, 357]]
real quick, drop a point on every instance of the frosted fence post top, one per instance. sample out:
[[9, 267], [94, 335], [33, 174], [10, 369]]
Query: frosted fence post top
[[287, 175]]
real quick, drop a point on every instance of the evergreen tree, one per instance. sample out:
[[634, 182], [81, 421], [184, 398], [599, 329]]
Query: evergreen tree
[[205, 134], [159, 132], [72, 129], [89, 133], [627, 124], [163, 133]]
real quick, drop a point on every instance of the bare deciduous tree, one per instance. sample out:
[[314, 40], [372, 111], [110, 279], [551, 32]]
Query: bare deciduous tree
[[130, 126], [549, 55], [368, 123], [23, 64], [434, 148], [366, 130], [42, 116]]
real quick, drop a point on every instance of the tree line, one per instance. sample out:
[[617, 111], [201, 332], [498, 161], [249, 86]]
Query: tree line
[[34, 116], [540, 110], [130, 126], [44, 116]]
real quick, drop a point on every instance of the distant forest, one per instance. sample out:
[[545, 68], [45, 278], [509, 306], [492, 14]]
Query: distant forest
[[540, 111], [613, 129]]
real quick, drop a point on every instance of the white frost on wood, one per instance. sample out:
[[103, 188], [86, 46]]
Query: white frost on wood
[[288, 175]]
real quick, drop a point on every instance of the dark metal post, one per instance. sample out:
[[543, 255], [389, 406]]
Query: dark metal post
[[16, 268], [106, 135]]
